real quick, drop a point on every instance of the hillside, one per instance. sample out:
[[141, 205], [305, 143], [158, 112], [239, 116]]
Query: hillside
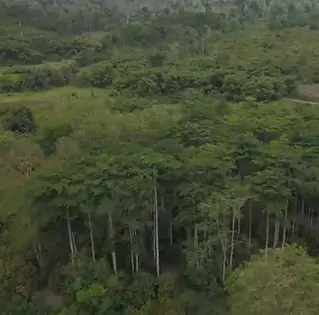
[[156, 160]]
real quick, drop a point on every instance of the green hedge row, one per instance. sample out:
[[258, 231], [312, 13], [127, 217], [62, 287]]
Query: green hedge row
[[32, 46], [233, 84]]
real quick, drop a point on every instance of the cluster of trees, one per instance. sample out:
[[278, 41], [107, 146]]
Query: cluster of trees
[[34, 46], [263, 280], [188, 194], [173, 35], [230, 84], [19, 79], [220, 67], [168, 175]]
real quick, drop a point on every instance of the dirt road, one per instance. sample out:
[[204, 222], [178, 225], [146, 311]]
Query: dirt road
[[301, 101]]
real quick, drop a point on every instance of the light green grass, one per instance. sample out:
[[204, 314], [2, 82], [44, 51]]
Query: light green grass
[[51, 96], [87, 108], [60, 105]]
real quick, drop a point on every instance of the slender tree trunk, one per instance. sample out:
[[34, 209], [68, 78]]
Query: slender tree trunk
[[205, 232], [249, 232], [70, 238], [20, 26], [154, 235], [170, 227], [293, 226], [156, 228], [267, 235], [189, 232], [171, 233], [195, 236], [276, 232], [111, 236], [232, 241], [113, 254], [91, 237], [162, 204], [137, 262], [285, 227], [303, 207], [196, 241], [224, 266], [311, 217], [238, 224], [170, 224], [38, 252], [202, 44], [224, 250], [132, 252], [39, 256], [136, 253], [74, 244]]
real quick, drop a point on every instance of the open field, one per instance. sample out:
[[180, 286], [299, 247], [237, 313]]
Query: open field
[[51, 96], [309, 92]]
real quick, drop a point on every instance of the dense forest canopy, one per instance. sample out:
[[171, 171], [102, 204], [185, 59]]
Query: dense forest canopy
[[159, 157]]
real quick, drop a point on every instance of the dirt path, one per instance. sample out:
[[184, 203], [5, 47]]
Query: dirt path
[[301, 101]]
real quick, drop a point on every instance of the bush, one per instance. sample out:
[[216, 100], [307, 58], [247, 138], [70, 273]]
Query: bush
[[50, 136], [157, 60], [12, 50], [20, 120], [286, 282], [85, 57], [99, 75], [35, 78]]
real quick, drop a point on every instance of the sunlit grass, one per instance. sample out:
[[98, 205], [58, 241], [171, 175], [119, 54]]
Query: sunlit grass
[[60, 105], [52, 96]]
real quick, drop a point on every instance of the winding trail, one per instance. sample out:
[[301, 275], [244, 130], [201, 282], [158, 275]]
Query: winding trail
[[301, 101]]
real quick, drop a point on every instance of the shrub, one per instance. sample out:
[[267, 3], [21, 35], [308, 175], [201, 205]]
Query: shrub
[[35, 78], [20, 120], [98, 75]]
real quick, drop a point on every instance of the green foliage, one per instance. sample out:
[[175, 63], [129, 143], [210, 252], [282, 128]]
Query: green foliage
[[156, 60], [85, 57], [99, 75], [35, 78], [19, 120], [284, 283], [139, 291], [49, 136], [150, 153], [19, 306]]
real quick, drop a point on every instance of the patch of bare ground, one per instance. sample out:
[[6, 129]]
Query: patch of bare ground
[[309, 92], [94, 35], [50, 300], [48, 297]]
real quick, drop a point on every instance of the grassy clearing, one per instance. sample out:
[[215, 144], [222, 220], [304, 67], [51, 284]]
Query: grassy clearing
[[309, 92], [61, 104], [87, 108], [51, 96]]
